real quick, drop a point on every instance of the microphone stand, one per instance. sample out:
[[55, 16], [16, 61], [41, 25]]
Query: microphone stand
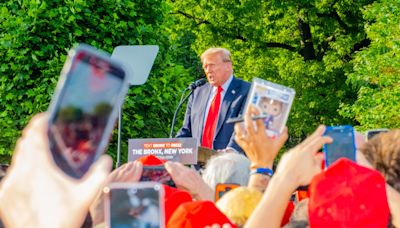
[[119, 137], [176, 112]]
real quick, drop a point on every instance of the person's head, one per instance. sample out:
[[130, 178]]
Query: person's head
[[227, 168], [383, 152], [217, 65], [348, 195], [239, 203], [270, 106]]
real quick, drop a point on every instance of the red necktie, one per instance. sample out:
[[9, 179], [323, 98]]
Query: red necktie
[[212, 119]]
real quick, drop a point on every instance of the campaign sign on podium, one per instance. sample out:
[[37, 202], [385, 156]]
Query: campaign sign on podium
[[183, 150]]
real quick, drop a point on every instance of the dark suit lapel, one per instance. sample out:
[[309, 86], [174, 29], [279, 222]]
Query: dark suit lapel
[[226, 103], [204, 94]]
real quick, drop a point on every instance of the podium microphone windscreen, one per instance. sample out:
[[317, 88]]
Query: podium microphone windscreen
[[197, 83]]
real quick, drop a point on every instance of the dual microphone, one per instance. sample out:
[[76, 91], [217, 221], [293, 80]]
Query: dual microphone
[[196, 84]]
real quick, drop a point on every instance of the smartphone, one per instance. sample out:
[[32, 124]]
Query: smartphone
[[371, 133], [343, 144], [84, 108], [221, 189], [134, 205], [157, 174]]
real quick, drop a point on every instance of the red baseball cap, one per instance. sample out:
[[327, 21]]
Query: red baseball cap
[[151, 160], [197, 214], [348, 195], [174, 197]]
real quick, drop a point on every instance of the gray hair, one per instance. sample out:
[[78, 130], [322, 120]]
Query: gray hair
[[225, 53], [227, 168]]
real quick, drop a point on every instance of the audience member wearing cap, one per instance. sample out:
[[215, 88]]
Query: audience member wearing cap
[[36, 193], [239, 203], [189, 180], [227, 168], [296, 167], [173, 198], [151, 160], [198, 214], [259, 148], [348, 195], [128, 172]]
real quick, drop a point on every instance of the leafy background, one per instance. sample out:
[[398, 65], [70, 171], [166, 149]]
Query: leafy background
[[341, 57]]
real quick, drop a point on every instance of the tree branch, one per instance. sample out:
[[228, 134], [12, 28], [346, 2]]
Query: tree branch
[[236, 36], [335, 15], [362, 44], [198, 20], [307, 46]]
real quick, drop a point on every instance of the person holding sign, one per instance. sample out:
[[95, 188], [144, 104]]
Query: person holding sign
[[210, 106]]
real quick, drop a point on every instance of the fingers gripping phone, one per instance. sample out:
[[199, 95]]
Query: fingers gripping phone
[[84, 108], [343, 144], [134, 205], [157, 174], [221, 189]]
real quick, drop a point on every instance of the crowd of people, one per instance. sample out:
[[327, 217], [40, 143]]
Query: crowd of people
[[296, 192], [35, 193]]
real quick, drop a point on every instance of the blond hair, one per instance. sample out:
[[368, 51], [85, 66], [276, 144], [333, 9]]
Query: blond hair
[[224, 53]]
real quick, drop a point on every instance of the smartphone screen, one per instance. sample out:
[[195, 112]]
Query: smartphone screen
[[135, 205], [342, 146], [84, 111], [157, 174], [221, 189]]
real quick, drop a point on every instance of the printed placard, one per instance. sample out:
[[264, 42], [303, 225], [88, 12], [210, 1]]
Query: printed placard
[[183, 150]]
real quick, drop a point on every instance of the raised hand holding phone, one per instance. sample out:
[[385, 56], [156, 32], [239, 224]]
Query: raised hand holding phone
[[134, 205], [84, 108]]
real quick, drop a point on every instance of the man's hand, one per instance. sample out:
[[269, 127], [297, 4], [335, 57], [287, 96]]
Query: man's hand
[[258, 146], [189, 180], [299, 165], [36, 193], [129, 172]]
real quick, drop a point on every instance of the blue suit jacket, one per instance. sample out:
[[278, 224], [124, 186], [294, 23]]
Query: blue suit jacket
[[232, 105]]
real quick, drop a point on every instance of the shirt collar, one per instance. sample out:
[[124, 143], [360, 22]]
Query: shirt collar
[[224, 86]]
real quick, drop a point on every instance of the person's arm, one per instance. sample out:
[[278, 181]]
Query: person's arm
[[296, 167], [258, 146], [188, 179], [36, 193], [129, 172], [259, 182]]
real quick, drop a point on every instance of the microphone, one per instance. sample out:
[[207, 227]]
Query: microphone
[[197, 83], [191, 87]]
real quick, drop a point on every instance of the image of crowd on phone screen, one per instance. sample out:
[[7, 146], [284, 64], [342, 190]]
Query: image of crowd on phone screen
[[60, 176]]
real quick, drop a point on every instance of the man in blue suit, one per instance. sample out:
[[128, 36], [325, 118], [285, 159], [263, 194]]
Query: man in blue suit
[[210, 106]]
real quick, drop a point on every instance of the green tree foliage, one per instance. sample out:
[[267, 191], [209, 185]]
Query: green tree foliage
[[34, 40], [305, 44], [376, 70]]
